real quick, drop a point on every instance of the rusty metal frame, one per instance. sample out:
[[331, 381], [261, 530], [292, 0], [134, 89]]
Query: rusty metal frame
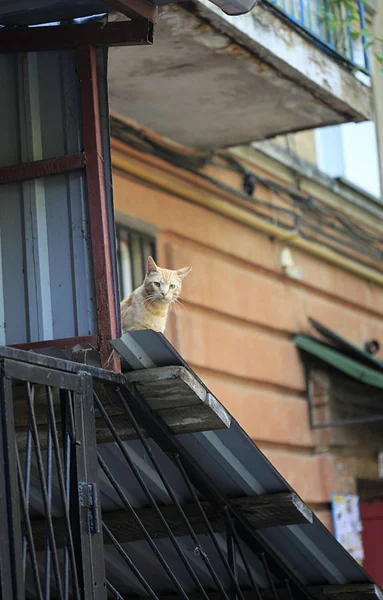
[[118, 33], [42, 168], [84, 38], [64, 343], [97, 201]]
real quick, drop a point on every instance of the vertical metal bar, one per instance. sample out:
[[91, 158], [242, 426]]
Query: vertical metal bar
[[319, 19], [130, 247], [49, 489], [302, 12], [269, 576], [28, 458], [104, 274], [309, 395], [92, 469], [328, 32], [119, 262], [363, 26], [343, 29], [2, 302], [11, 552], [28, 534], [143, 257], [65, 399], [102, 73], [44, 493], [88, 547], [350, 40], [309, 11], [231, 553], [54, 439]]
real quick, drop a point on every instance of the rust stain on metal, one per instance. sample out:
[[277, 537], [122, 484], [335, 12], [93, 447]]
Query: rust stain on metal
[[98, 206], [42, 168]]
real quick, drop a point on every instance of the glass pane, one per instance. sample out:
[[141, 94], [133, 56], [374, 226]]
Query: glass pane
[[126, 285]]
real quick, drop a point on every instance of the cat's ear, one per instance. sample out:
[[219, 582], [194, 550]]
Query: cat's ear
[[183, 272], [151, 266]]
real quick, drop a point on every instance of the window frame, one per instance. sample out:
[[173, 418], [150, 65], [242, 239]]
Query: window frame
[[133, 235]]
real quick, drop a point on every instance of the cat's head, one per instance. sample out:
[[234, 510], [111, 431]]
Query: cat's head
[[163, 285]]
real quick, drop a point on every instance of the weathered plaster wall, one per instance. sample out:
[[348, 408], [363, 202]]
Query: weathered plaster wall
[[237, 328]]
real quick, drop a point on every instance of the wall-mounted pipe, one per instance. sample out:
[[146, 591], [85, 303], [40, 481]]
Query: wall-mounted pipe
[[241, 215]]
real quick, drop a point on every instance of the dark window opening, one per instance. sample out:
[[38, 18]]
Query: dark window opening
[[133, 249]]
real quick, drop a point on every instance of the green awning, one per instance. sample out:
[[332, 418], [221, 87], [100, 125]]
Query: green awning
[[339, 361]]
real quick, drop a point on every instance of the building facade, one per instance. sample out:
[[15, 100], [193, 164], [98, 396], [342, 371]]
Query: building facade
[[305, 242], [273, 241]]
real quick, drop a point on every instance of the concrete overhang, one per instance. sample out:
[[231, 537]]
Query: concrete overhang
[[211, 80]]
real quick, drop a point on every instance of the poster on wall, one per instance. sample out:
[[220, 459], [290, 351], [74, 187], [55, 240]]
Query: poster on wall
[[347, 524]]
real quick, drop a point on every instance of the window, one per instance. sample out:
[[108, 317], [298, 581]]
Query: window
[[350, 152], [133, 249]]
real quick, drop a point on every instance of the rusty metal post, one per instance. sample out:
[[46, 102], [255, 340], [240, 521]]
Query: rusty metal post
[[97, 202]]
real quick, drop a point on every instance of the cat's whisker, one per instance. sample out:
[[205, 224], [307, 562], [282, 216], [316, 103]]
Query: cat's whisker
[[181, 302], [177, 304]]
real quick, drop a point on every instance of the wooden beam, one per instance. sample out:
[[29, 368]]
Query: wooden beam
[[118, 33], [179, 421], [262, 511], [350, 591], [182, 402], [135, 8], [176, 387], [42, 168], [64, 343]]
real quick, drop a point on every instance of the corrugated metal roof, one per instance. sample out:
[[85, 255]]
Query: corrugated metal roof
[[46, 281], [237, 467]]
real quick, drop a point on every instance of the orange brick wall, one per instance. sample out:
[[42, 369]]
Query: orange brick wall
[[236, 331]]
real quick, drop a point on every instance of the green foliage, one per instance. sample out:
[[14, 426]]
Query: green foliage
[[341, 17]]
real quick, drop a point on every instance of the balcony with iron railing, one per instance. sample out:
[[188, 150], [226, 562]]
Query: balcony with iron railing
[[334, 31], [216, 80]]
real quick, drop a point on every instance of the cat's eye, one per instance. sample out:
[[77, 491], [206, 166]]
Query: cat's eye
[[157, 283], [172, 286]]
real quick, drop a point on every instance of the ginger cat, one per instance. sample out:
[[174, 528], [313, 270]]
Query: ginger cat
[[148, 306]]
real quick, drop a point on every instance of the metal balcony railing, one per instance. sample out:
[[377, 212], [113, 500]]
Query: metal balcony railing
[[336, 39], [100, 501]]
